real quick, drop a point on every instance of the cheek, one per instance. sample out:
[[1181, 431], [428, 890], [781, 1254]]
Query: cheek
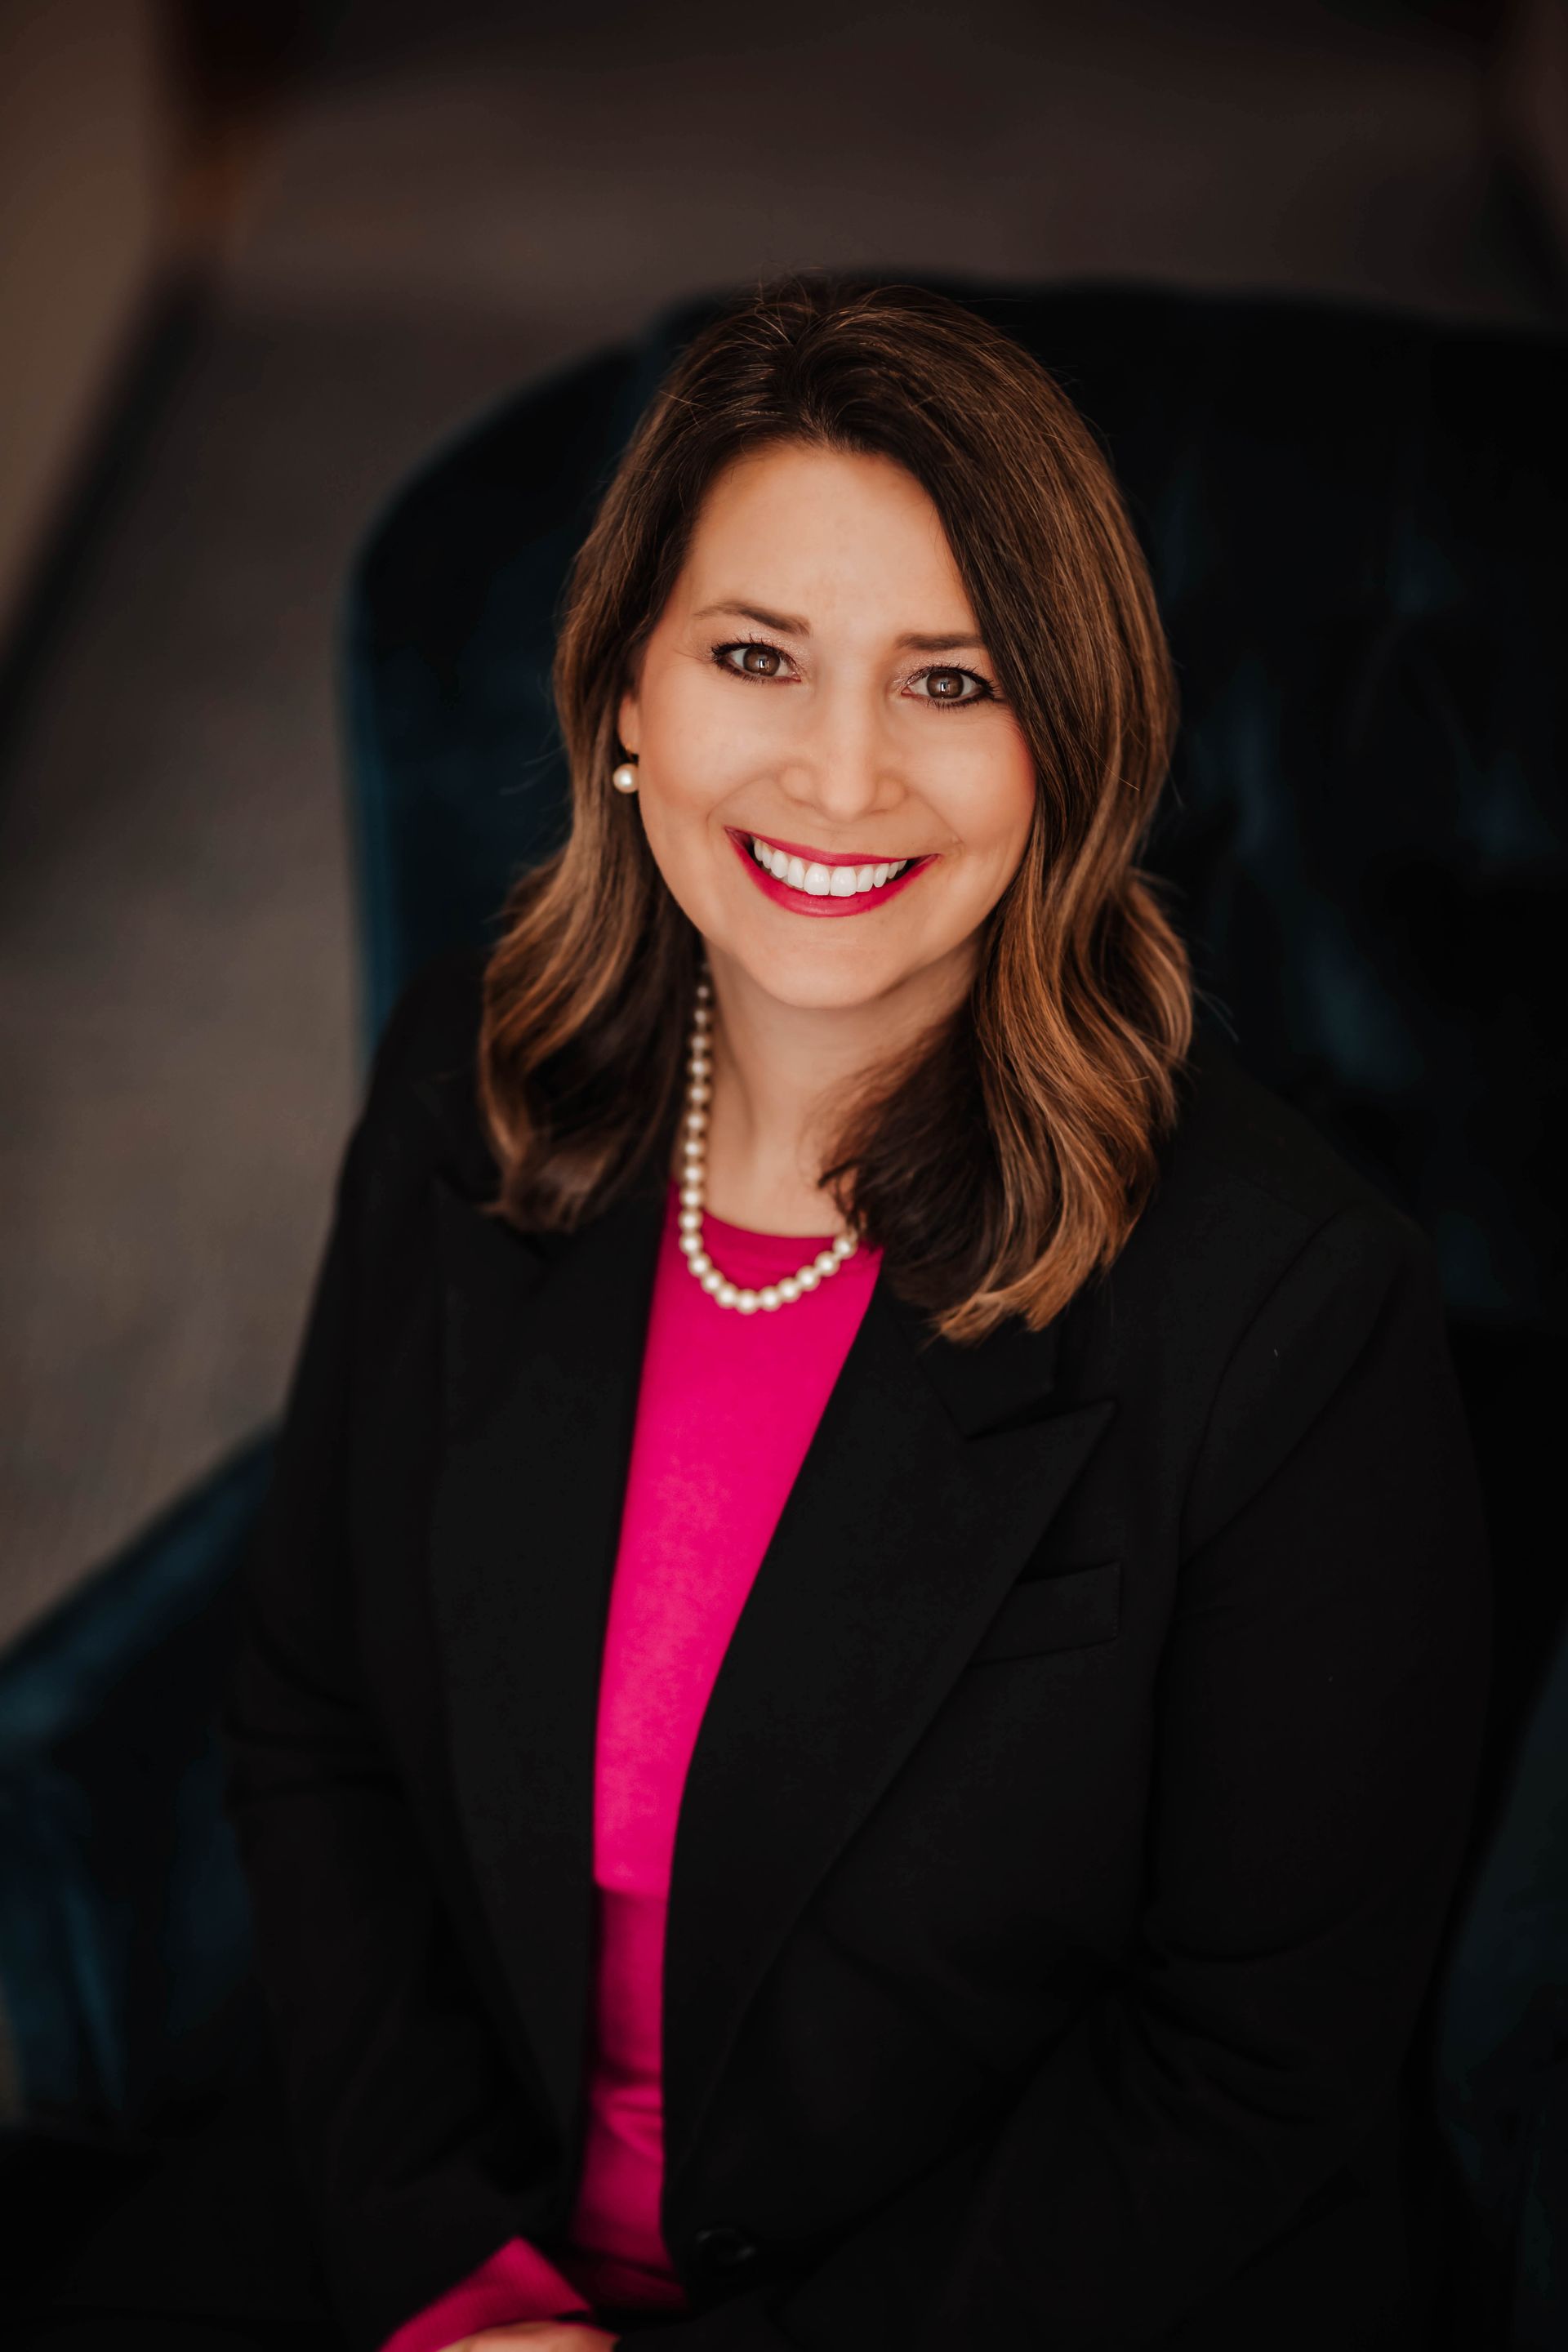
[[988, 798], [690, 757]]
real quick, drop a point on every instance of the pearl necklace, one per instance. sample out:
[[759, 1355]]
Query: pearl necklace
[[694, 1169]]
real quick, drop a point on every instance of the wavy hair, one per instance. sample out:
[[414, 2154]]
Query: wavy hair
[[1001, 1165]]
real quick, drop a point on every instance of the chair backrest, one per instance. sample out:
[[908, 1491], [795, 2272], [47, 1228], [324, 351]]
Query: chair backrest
[[1354, 525]]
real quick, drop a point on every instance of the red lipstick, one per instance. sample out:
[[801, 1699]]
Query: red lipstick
[[807, 902]]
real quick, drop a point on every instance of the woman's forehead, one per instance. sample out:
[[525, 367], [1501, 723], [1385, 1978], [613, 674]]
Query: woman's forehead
[[804, 535]]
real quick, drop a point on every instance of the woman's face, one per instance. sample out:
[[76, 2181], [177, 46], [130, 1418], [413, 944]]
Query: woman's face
[[832, 786]]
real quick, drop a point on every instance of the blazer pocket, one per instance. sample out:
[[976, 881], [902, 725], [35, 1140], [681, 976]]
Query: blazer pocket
[[1067, 1611]]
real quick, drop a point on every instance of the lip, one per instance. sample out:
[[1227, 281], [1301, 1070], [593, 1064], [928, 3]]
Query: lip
[[816, 857], [802, 902]]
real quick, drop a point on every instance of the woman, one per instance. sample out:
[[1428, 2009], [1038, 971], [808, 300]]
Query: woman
[[862, 1682]]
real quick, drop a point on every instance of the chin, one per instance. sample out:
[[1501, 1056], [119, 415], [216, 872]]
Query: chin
[[820, 975]]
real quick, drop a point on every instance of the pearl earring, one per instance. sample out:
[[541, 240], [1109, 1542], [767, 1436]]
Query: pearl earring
[[624, 777]]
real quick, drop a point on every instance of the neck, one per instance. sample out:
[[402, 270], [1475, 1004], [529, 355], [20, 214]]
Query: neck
[[782, 1077]]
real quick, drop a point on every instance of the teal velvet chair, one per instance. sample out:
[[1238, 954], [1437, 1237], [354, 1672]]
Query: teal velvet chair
[[1353, 524]]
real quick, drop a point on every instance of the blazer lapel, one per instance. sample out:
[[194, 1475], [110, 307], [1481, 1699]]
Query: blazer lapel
[[933, 1472], [543, 1346], [931, 1475]]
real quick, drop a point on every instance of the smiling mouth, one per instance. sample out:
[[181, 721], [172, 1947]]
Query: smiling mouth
[[823, 882]]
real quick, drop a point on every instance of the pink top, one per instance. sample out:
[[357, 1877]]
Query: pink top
[[727, 1408]]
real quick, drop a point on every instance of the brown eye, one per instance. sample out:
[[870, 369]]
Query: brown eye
[[753, 661], [951, 686]]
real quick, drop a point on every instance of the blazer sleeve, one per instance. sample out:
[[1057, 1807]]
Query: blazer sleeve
[[413, 2140], [1317, 1731]]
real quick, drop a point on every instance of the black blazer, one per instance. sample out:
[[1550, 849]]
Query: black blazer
[[1071, 1827]]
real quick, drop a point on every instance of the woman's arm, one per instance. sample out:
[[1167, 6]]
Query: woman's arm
[[413, 2142], [1317, 1724]]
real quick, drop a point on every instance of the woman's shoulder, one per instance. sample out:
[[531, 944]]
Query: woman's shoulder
[[1243, 1170], [1240, 1134], [1246, 1164], [1263, 1272]]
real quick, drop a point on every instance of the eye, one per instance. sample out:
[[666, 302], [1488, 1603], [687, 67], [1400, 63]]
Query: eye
[[750, 657], [950, 689]]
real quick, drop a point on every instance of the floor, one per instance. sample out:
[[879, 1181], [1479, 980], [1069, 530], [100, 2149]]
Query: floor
[[461, 197]]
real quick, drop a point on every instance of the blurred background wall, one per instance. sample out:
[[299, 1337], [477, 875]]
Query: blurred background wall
[[83, 139], [254, 257]]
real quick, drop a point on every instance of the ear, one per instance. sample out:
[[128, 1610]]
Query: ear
[[627, 721]]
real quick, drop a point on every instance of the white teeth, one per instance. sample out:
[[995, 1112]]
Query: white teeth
[[824, 881]]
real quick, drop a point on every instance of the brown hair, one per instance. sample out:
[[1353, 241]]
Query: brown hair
[[1004, 1164]]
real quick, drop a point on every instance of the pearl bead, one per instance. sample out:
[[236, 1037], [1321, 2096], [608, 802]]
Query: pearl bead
[[698, 1093]]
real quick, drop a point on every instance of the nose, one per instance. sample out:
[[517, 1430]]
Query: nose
[[843, 766]]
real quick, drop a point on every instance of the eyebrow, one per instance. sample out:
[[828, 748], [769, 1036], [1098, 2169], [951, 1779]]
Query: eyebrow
[[789, 624], [785, 624]]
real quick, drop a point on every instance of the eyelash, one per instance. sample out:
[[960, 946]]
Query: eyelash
[[956, 669]]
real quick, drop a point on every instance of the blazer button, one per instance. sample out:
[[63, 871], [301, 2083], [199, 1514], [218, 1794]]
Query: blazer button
[[721, 2246]]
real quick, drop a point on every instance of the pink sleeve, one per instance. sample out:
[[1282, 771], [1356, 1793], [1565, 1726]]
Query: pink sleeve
[[516, 2283]]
